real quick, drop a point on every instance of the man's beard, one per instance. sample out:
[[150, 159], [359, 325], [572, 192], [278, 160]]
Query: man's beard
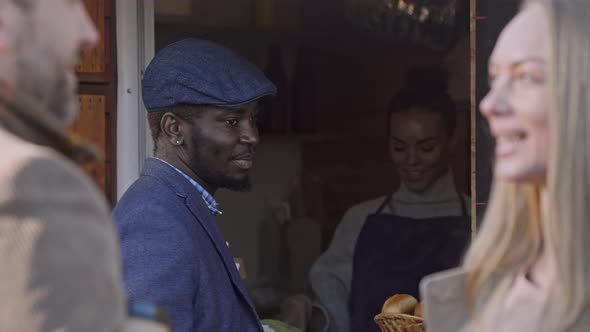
[[45, 82], [216, 178], [213, 177], [236, 185]]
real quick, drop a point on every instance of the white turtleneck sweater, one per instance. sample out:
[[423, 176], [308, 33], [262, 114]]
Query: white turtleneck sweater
[[331, 275]]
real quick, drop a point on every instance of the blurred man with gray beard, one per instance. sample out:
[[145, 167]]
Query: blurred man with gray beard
[[58, 247]]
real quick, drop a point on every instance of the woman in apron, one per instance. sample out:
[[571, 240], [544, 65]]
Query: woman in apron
[[385, 246]]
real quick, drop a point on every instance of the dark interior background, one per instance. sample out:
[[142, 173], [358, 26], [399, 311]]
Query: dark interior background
[[492, 16], [324, 145]]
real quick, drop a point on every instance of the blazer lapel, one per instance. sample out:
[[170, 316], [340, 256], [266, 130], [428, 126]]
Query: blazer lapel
[[210, 226]]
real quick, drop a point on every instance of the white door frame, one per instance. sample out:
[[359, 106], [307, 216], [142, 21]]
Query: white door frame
[[135, 48]]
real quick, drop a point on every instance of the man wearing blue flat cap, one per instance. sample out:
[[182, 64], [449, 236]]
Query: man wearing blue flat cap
[[202, 102]]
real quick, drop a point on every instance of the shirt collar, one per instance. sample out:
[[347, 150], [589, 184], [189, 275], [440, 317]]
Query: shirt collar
[[210, 201]]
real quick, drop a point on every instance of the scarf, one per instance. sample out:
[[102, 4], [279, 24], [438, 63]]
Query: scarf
[[36, 124]]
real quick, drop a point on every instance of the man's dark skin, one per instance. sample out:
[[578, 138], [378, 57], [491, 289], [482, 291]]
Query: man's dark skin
[[215, 148]]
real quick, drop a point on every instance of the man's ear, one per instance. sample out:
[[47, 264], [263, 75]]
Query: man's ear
[[171, 127]]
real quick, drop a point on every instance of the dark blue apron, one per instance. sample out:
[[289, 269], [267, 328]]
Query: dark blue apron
[[394, 253]]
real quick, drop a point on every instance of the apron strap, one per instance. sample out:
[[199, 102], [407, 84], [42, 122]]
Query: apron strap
[[463, 206], [385, 202], [464, 215]]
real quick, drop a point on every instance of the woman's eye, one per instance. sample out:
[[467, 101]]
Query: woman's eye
[[428, 148], [399, 149], [529, 77], [525, 77], [232, 122]]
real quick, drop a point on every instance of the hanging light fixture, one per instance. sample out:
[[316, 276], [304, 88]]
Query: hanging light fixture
[[430, 23]]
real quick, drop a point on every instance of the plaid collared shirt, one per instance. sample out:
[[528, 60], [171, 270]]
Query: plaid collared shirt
[[211, 203]]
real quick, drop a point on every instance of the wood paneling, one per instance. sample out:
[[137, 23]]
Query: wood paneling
[[97, 91], [93, 60], [91, 120], [91, 126], [96, 63]]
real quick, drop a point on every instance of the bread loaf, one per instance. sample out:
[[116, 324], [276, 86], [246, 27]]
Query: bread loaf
[[419, 310], [400, 304]]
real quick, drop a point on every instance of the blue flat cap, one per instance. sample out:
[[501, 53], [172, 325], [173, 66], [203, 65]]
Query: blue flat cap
[[200, 72]]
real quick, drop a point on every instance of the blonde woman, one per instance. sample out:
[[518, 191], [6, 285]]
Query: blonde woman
[[528, 268]]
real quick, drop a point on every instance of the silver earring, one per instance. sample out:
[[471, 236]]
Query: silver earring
[[177, 142]]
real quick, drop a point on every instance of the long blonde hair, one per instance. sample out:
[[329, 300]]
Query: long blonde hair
[[514, 230]]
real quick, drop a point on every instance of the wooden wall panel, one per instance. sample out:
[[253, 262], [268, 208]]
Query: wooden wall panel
[[91, 120], [97, 91], [94, 59], [91, 126]]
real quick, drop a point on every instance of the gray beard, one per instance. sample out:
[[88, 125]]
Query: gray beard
[[44, 82]]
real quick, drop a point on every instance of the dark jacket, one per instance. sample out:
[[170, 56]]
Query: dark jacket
[[175, 255]]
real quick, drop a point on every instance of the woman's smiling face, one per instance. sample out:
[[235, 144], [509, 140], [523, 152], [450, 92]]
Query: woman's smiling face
[[419, 147], [518, 104]]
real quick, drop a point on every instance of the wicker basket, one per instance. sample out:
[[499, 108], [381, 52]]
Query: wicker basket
[[399, 323]]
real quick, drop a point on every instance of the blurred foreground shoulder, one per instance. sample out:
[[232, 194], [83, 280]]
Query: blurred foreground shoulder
[[57, 236]]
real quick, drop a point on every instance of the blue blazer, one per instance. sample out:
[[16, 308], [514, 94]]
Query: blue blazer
[[175, 255]]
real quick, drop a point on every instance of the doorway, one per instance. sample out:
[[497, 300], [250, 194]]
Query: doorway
[[325, 145]]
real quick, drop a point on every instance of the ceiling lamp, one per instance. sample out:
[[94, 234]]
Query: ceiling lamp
[[435, 24]]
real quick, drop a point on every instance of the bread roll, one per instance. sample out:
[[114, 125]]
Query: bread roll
[[419, 310], [400, 304]]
